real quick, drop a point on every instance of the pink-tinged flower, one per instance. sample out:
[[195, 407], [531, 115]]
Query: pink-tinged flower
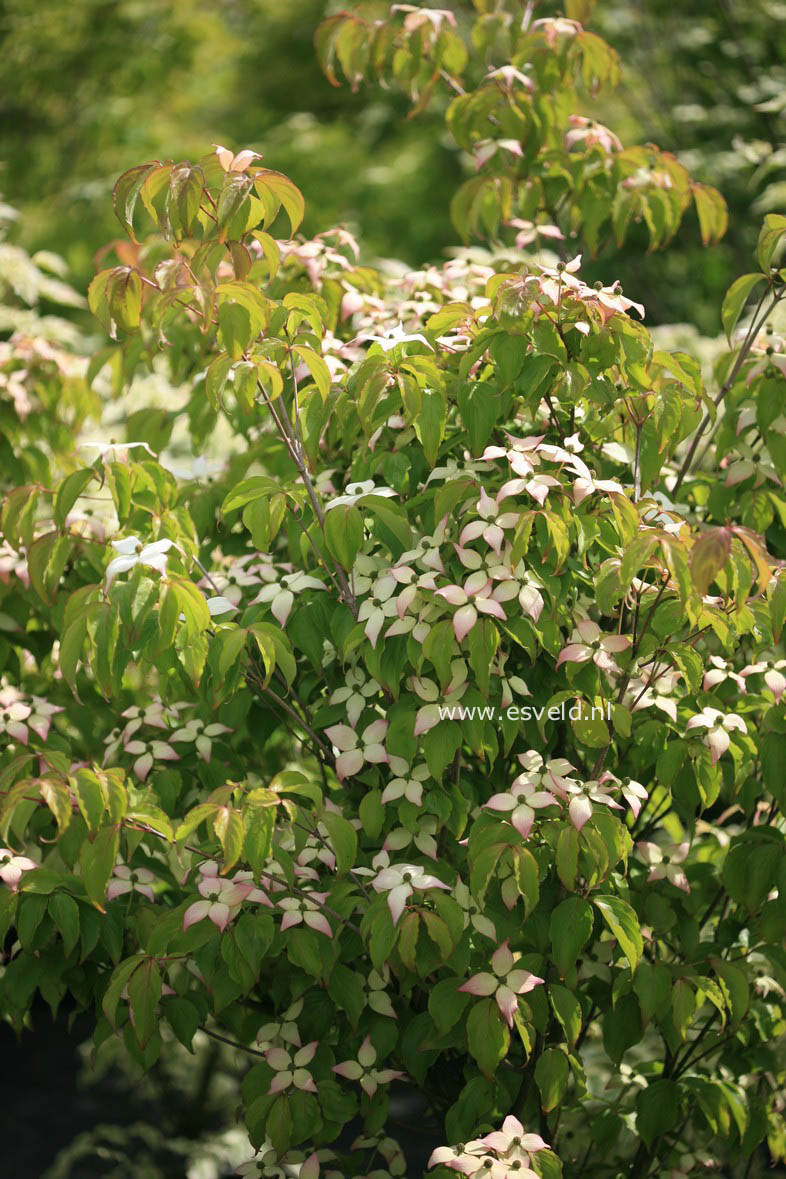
[[363, 1071], [633, 792], [587, 484], [479, 595], [472, 914], [505, 984], [280, 595], [156, 714], [285, 1029], [773, 676], [546, 775], [125, 880], [375, 990], [427, 690], [582, 796], [587, 133], [665, 862], [305, 911], [222, 904], [718, 725], [235, 163], [195, 731], [467, 1158], [388, 1148], [134, 552], [291, 1069], [521, 802], [146, 754], [424, 838], [12, 867], [381, 605], [554, 28], [355, 750], [485, 150], [530, 596], [356, 693], [587, 643], [522, 454], [408, 784], [508, 75], [655, 692], [611, 300], [14, 712], [400, 881], [721, 671], [739, 470], [257, 896], [12, 564], [528, 232], [512, 1138], [41, 714], [492, 523], [538, 486]]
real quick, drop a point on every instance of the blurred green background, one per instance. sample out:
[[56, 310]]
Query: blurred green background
[[89, 88]]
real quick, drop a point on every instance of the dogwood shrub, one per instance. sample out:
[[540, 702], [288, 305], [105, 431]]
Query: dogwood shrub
[[402, 702]]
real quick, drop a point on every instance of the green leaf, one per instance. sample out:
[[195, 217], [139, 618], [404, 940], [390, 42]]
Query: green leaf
[[552, 1073], [126, 193], [712, 212], [525, 868], [46, 560], [248, 490], [96, 861], [90, 797], [735, 299], [487, 1036], [652, 984], [570, 929], [624, 924], [64, 912], [567, 1010], [260, 823], [183, 1017], [657, 1110], [317, 367], [734, 985], [285, 193], [117, 984], [568, 856], [228, 826], [57, 797], [446, 1004], [344, 534], [344, 839], [144, 992], [68, 492], [771, 237], [430, 424]]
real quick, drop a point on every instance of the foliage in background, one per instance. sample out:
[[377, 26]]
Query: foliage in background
[[83, 97], [231, 802]]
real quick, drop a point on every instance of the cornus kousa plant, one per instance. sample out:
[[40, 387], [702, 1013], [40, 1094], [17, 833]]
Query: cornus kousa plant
[[401, 706]]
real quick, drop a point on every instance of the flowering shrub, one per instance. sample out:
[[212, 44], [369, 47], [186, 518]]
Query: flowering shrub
[[423, 726]]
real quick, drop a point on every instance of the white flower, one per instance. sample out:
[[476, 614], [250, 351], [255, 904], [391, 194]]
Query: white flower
[[354, 749], [718, 726], [396, 337], [12, 867], [356, 491], [133, 552], [399, 881]]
